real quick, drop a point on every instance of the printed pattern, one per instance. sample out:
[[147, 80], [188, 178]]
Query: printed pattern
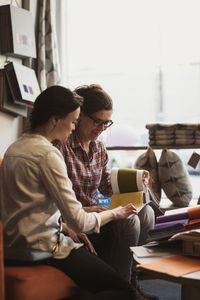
[[88, 172], [174, 178]]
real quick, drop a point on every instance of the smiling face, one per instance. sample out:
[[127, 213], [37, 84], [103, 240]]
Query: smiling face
[[64, 127], [90, 127]]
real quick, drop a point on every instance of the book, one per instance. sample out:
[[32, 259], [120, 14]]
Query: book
[[152, 200], [17, 39], [6, 102], [23, 83], [165, 233], [127, 187]]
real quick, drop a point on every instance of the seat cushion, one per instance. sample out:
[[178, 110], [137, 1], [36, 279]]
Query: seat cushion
[[39, 282]]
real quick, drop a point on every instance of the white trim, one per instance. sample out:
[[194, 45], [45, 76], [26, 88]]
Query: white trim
[[114, 180], [139, 181]]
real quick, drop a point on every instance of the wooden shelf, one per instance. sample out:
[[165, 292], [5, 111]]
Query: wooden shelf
[[154, 147]]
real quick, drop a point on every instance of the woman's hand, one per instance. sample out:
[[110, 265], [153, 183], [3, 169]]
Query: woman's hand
[[78, 238], [87, 244], [146, 177], [124, 212], [95, 208]]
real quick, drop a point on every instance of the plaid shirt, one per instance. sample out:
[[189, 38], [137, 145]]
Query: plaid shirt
[[88, 172]]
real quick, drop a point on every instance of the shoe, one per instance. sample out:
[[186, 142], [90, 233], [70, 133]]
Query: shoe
[[140, 290]]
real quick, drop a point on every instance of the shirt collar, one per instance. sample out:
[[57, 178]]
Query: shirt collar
[[75, 142]]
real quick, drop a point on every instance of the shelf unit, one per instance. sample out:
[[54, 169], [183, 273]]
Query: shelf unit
[[154, 147]]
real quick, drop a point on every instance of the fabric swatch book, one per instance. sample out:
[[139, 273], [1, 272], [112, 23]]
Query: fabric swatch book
[[127, 187]]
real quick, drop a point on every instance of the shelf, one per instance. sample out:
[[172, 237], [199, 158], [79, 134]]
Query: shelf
[[154, 147]]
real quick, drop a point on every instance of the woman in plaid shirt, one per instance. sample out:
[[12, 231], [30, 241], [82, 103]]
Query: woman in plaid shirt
[[86, 159]]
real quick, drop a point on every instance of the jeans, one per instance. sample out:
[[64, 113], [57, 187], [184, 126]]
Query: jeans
[[94, 275], [113, 242]]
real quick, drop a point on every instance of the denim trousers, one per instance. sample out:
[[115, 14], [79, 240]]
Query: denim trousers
[[91, 273], [113, 242]]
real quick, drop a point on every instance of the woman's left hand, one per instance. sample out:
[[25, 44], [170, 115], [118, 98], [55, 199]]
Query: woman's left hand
[[87, 244], [145, 177], [78, 238]]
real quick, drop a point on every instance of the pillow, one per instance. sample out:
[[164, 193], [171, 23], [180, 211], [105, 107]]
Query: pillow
[[174, 178], [147, 161]]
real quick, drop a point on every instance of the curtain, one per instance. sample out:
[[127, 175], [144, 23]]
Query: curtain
[[48, 67]]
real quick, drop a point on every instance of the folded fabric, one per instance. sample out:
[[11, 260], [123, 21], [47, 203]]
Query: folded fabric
[[184, 136], [163, 142], [157, 137], [184, 141], [197, 141], [174, 126], [184, 131], [197, 133], [191, 214], [164, 132], [167, 224]]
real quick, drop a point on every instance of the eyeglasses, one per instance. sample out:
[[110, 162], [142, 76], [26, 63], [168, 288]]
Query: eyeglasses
[[99, 122]]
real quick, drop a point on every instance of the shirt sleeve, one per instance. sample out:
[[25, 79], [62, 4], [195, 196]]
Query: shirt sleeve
[[105, 184], [59, 187]]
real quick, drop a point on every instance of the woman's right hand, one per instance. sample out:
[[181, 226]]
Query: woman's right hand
[[124, 212]]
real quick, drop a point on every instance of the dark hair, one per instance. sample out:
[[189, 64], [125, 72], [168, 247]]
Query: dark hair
[[55, 101], [95, 98]]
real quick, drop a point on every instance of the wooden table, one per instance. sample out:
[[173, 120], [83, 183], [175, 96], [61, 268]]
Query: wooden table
[[190, 283]]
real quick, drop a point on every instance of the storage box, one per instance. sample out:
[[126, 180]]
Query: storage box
[[23, 83], [17, 36], [6, 101]]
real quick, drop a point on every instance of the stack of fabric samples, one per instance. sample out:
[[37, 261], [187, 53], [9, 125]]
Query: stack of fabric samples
[[173, 134], [168, 225]]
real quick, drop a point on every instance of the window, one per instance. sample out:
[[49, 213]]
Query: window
[[145, 53]]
